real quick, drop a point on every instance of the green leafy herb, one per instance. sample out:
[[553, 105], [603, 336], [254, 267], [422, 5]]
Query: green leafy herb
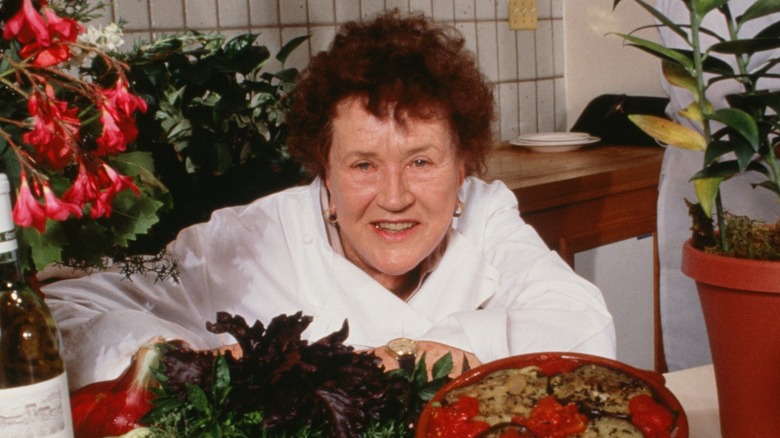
[[283, 386]]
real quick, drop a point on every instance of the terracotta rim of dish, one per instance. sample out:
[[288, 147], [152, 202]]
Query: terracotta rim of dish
[[656, 381]]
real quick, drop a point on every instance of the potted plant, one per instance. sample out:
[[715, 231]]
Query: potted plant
[[733, 259], [112, 153], [215, 126]]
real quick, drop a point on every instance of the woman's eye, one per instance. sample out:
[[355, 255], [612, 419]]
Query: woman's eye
[[363, 166], [420, 163]]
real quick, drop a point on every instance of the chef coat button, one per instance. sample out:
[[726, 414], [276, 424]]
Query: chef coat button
[[307, 239]]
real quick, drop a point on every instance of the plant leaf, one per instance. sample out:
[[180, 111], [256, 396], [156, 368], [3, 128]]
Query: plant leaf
[[48, 246], [739, 121], [769, 185], [442, 368], [220, 387], [663, 19], [669, 132], [197, 398], [759, 8], [745, 46], [289, 47], [715, 150], [692, 112], [659, 50], [771, 31], [703, 7], [706, 191], [678, 76]]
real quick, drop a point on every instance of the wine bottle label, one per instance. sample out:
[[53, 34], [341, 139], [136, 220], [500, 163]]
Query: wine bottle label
[[40, 410], [8, 241]]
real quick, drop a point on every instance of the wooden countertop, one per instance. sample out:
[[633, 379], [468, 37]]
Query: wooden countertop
[[543, 180]]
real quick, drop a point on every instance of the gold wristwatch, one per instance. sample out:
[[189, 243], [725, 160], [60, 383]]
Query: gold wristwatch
[[405, 352]]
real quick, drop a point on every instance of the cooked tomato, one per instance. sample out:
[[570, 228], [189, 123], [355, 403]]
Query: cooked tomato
[[650, 417], [456, 420], [550, 419], [556, 365]]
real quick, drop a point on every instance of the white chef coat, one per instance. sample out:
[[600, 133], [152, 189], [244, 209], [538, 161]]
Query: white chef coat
[[685, 336], [497, 291]]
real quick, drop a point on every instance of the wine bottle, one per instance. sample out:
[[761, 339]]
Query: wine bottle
[[34, 400]]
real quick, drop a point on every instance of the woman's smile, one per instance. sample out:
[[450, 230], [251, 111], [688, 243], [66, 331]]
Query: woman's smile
[[393, 226]]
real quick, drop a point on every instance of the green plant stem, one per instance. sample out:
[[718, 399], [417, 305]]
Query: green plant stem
[[742, 60], [13, 86], [698, 71], [774, 167]]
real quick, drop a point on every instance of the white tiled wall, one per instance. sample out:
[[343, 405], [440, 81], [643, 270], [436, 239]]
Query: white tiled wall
[[526, 66]]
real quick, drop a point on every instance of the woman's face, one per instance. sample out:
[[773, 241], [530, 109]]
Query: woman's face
[[394, 187]]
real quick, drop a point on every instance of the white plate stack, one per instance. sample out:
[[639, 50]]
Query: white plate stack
[[554, 141]]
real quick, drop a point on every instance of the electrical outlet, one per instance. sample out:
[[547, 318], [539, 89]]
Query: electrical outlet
[[523, 14]]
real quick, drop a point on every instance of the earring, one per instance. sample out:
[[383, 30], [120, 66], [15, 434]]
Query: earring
[[330, 216], [459, 209]]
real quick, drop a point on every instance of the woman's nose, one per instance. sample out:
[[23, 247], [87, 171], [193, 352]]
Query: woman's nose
[[394, 191]]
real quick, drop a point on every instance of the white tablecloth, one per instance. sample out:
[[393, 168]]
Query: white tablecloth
[[695, 388]]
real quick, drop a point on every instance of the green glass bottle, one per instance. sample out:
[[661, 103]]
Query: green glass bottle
[[33, 384]]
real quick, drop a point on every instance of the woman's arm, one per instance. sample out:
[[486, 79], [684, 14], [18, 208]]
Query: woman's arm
[[540, 303]]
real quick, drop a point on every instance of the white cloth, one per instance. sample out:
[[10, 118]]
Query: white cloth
[[685, 336], [497, 291]]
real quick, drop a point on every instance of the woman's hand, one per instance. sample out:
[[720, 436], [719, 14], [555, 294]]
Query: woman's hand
[[234, 349], [433, 352]]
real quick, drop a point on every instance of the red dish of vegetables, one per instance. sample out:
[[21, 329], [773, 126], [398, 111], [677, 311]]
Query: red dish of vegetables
[[554, 395]]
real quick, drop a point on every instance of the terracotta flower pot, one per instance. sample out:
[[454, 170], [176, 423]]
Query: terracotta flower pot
[[741, 303]]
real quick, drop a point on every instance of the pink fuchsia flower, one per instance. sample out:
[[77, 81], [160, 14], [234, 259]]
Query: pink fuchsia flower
[[28, 212], [119, 130], [101, 206], [85, 188], [46, 56], [112, 140], [112, 183], [123, 100], [120, 182], [55, 127], [27, 25], [66, 29], [57, 209]]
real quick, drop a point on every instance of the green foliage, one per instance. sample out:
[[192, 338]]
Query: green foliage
[[87, 242], [740, 138], [213, 136], [202, 412], [423, 388], [215, 124]]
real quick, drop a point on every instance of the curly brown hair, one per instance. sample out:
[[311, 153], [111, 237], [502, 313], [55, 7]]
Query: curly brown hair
[[405, 64]]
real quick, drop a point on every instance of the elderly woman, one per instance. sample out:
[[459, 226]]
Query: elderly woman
[[393, 235]]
